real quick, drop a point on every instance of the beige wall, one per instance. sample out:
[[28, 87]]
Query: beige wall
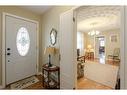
[[51, 20], [20, 12], [109, 45], [85, 40], [90, 40]]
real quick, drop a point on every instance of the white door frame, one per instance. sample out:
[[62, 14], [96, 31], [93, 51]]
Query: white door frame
[[122, 46], [95, 44], [4, 44]]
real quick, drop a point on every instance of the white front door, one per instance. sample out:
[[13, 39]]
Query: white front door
[[21, 52]]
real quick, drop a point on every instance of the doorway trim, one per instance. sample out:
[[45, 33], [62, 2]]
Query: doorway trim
[[4, 14], [95, 44]]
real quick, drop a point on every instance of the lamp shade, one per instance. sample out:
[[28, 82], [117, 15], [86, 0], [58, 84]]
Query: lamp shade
[[89, 46], [49, 50]]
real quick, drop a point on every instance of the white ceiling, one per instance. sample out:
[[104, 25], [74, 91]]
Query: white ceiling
[[37, 9], [100, 18]]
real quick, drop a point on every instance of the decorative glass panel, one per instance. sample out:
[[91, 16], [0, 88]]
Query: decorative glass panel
[[23, 41]]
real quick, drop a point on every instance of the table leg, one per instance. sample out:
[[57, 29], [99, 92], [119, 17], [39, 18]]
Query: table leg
[[48, 79], [59, 77]]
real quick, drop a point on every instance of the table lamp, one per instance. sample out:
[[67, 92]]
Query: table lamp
[[89, 47], [49, 51]]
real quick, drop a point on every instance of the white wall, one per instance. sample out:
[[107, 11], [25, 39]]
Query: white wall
[[110, 46]]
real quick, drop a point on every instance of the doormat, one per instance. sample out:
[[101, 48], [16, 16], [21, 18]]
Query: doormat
[[24, 83]]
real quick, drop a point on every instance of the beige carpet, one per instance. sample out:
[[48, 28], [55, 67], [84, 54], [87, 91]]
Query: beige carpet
[[102, 73]]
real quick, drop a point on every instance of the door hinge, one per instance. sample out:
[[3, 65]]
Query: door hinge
[[73, 19]]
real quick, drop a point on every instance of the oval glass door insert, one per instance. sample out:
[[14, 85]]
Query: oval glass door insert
[[23, 41]]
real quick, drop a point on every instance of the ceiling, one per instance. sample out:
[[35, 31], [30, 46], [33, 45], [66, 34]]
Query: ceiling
[[37, 9], [100, 18]]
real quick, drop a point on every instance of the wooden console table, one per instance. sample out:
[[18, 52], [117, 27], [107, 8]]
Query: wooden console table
[[51, 77]]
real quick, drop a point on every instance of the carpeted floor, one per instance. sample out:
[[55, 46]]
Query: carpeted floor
[[102, 73]]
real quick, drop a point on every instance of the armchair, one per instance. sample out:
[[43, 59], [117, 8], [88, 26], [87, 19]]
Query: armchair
[[115, 55]]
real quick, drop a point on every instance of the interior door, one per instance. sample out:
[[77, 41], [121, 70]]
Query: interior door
[[21, 52], [124, 38], [67, 51]]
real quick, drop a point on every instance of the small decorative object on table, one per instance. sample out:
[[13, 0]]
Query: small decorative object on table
[[51, 77]]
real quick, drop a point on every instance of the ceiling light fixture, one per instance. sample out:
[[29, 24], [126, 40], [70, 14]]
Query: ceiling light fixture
[[93, 32]]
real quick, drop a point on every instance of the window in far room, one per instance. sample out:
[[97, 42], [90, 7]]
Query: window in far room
[[80, 42]]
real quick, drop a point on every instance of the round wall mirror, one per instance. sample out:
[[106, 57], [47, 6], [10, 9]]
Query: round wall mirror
[[53, 35]]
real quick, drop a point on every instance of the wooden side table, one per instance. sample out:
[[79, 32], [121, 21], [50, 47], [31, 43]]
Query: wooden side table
[[89, 55], [51, 77]]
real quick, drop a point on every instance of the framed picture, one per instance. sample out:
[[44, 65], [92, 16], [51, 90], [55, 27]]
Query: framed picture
[[114, 38]]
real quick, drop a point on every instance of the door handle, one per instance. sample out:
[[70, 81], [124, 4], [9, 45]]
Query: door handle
[[8, 53], [8, 49]]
